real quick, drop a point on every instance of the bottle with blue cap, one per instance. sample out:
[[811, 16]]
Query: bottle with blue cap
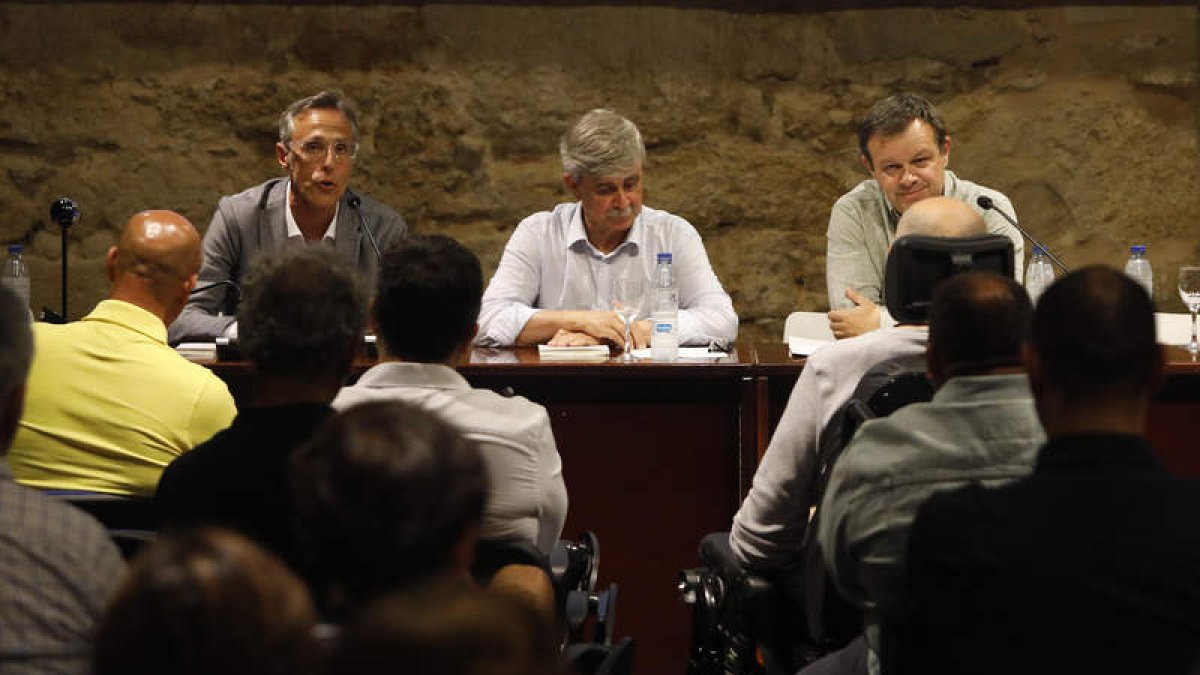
[[1039, 275], [16, 274], [664, 312], [1138, 267]]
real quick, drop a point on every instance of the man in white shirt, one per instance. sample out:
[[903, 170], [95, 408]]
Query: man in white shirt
[[554, 280], [426, 305]]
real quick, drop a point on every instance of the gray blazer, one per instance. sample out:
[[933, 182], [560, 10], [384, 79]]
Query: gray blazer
[[253, 221]]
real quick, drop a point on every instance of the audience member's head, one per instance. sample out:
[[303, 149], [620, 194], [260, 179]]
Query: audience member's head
[[427, 301], [387, 495], [1094, 347], [446, 628], [207, 602], [155, 263], [302, 314], [941, 217], [16, 353], [601, 143], [979, 322]]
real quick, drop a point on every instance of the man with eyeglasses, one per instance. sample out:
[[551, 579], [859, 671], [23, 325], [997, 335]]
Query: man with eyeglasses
[[312, 204]]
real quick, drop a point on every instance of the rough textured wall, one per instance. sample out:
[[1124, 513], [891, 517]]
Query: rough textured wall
[[1086, 117]]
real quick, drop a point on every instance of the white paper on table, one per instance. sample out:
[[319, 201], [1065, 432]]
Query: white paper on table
[[802, 346], [198, 351], [567, 353], [684, 353]]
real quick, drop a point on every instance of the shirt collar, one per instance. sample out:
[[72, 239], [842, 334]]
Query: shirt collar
[[408, 374], [293, 230], [130, 316], [577, 240]]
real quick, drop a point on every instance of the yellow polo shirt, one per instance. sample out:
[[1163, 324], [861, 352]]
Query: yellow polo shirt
[[109, 404]]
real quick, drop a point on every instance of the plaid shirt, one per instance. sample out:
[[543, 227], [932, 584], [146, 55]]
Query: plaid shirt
[[58, 568]]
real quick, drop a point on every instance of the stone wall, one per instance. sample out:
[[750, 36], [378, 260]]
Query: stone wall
[[1085, 116]]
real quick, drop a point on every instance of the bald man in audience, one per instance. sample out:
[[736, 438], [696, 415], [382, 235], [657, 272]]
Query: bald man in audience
[[109, 404], [770, 525]]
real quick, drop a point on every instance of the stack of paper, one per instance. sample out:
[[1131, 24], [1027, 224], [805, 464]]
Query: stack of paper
[[583, 353], [198, 351]]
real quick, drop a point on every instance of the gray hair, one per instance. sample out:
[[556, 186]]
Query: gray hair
[[303, 312], [601, 143], [326, 100], [16, 342]]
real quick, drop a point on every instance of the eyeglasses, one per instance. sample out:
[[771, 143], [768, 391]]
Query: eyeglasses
[[316, 149]]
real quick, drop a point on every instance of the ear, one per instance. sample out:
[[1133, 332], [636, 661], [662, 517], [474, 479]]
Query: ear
[[281, 154], [572, 185], [110, 263], [1033, 367], [373, 317], [463, 555], [946, 151], [934, 368], [866, 162]]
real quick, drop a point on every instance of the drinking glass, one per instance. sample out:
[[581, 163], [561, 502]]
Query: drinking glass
[[1189, 291], [627, 296]]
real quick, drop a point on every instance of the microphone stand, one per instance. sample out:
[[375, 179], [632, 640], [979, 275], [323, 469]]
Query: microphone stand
[[985, 202], [64, 212], [354, 201]]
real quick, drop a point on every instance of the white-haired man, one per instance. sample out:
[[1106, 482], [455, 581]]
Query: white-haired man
[[554, 279]]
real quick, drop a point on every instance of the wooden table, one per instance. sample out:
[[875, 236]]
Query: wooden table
[[657, 455]]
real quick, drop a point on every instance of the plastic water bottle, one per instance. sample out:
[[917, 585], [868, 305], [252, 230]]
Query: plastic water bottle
[[1039, 275], [1138, 268], [664, 312], [16, 275]]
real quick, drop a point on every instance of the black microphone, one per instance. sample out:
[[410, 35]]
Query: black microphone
[[237, 290], [355, 201], [985, 202], [64, 212]]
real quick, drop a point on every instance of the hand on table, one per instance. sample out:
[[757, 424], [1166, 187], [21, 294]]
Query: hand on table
[[862, 318], [568, 338], [639, 331]]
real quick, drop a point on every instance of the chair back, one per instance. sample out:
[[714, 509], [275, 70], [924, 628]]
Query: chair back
[[916, 263], [131, 522], [885, 388]]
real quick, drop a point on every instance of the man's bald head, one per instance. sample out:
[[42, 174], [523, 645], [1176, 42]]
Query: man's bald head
[[155, 262], [941, 217]]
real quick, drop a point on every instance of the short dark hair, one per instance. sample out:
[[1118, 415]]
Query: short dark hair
[[1094, 334], [892, 115], [447, 628], [16, 342], [207, 601], [978, 321], [302, 313], [384, 491], [428, 297], [330, 99]]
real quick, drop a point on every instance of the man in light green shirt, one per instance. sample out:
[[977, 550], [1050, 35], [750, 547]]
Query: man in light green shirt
[[906, 148], [108, 403]]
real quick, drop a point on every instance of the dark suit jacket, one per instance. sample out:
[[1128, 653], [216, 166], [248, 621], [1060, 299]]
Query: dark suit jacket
[[1092, 564], [254, 221], [239, 477]]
